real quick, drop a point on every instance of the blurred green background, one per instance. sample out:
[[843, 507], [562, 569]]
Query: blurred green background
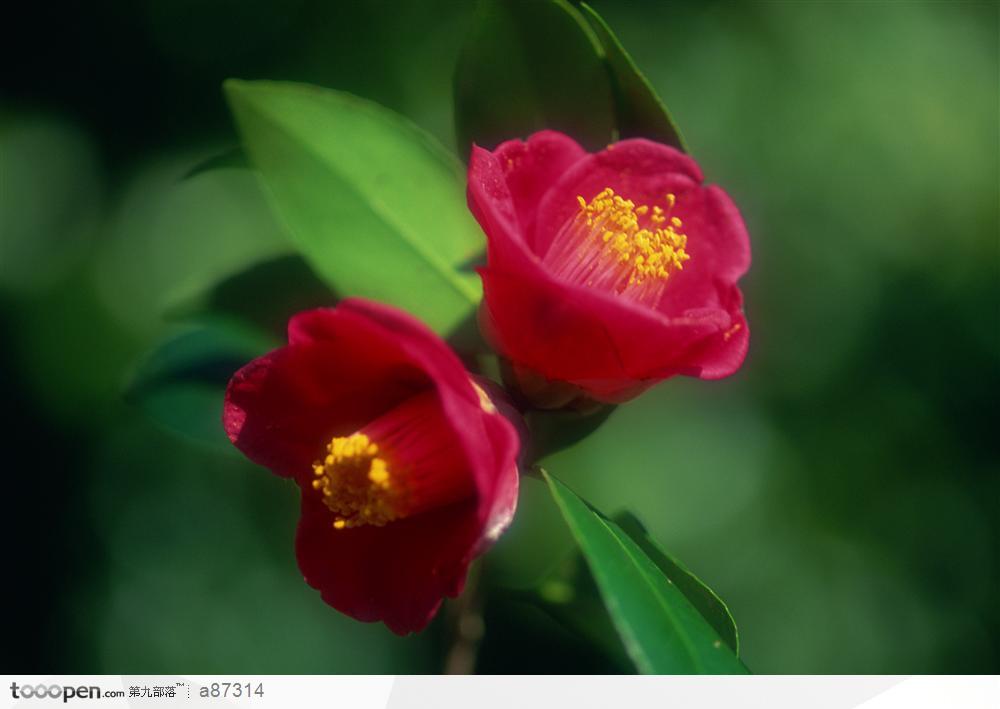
[[841, 492]]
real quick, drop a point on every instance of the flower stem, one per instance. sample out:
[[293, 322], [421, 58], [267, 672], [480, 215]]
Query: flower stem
[[466, 627]]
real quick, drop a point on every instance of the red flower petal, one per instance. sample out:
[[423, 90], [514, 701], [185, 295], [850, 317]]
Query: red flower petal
[[281, 406], [719, 248], [399, 573], [605, 347], [530, 169]]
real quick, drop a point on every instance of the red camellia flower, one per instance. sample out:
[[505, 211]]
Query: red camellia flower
[[408, 469], [607, 272]]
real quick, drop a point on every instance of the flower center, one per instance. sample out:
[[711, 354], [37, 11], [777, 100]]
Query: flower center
[[356, 483], [613, 243], [401, 464]]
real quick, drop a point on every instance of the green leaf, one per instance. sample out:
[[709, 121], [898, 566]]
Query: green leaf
[[528, 65], [662, 631], [640, 113], [288, 281], [570, 596], [708, 603], [181, 383], [232, 159], [174, 240], [375, 204]]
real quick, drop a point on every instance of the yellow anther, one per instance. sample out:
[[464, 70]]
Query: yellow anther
[[356, 483], [643, 240]]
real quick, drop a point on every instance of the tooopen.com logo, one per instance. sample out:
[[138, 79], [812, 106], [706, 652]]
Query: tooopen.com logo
[[57, 691]]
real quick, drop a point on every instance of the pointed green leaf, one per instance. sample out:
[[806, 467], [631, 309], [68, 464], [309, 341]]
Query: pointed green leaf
[[374, 203], [218, 224], [661, 629], [528, 65], [181, 383], [290, 285], [708, 603], [640, 113], [571, 597], [232, 159]]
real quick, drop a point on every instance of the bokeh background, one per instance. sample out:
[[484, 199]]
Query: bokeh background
[[841, 492]]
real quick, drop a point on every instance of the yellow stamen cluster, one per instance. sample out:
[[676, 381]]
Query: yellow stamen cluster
[[650, 250], [356, 483]]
